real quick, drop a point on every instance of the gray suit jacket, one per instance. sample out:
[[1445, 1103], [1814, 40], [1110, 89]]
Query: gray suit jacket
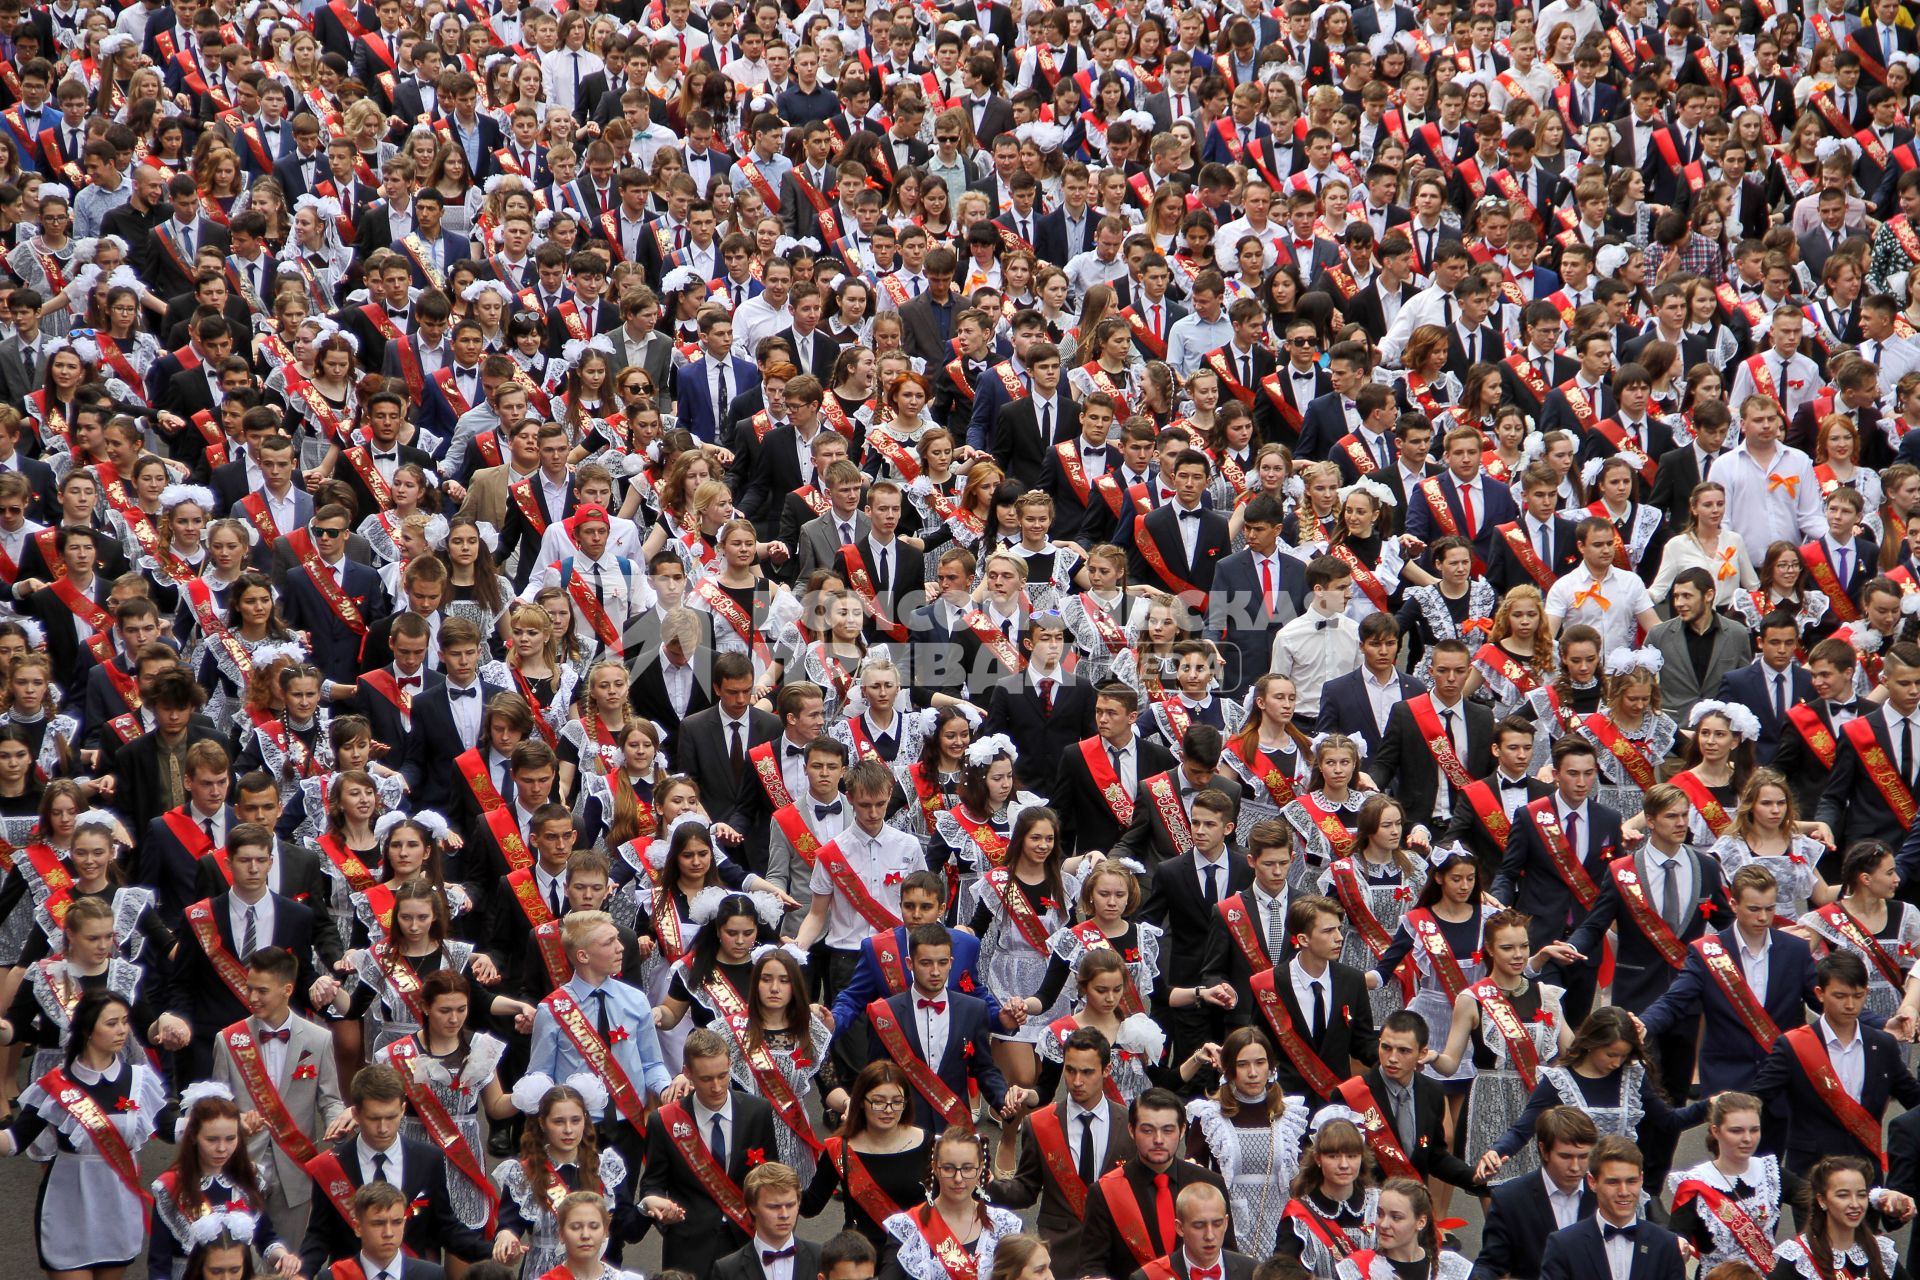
[[309, 1085], [16, 380], [1679, 687], [820, 542]]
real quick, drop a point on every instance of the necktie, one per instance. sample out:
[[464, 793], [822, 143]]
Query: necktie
[[1473, 346], [1403, 1119], [601, 1024], [553, 898], [1380, 447], [1843, 557], [880, 579], [1670, 893], [186, 241], [1546, 553], [1046, 696], [720, 399], [1276, 926], [1426, 250], [576, 77], [1046, 423], [1780, 696], [1086, 1148], [1163, 1207], [207, 823], [1158, 332], [717, 1142], [1906, 750], [251, 942], [1319, 1023], [846, 532], [1706, 466], [1447, 719], [506, 777], [380, 1167], [1246, 370], [737, 755], [1466, 507], [1266, 582], [1212, 891]]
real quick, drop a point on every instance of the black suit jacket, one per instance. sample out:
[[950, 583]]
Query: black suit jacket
[[967, 1060], [197, 993], [1519, 1222], [302, 879], [1804, 770], [1086, 821], [1162, 525], [1102, 1249], [1146, 837], [1017, 445], [1042, 736], [1641, 974], [1753, 685], [1579, 1253], [1529, 879], [433, 1224], [906, 576], [1431, 1154], [1674, 477], [162, 271], [1404, 767], [1366, 309], [1234, 1266], [744, 1263], [335, 646], [1504, 570], [739, 802], [768, 469], [1033, 1181], [439, 740], [1175, 903], [1345, 707], [1813, 1130], [1513, 388], [1349, 1033]]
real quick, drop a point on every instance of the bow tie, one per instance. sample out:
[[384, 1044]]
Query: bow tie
[[1324, 623], [1306, 246], [825, 810], [774, 1255], [387, 457], [1190, 515], [795, 751], [1203, 1273], [1306, 375], [283, 1035], [1847, 707], [399, 314], [463, 693], [408, 682], [1610, 1232], [938, 1006]]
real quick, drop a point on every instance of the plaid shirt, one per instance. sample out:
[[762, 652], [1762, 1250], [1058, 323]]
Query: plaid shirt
[[1698, 257]]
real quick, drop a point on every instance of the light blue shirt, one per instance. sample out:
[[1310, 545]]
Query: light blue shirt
[[774, 171], [1190, 338], [637, 1053]]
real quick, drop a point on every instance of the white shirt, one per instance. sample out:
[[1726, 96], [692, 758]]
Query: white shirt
[[1312, 654], [1189, 529], [1565, 1204], [1220, 867], [791, 756], [1800, 385], [933, 1021], [262, 913], [754, 320], [467, 712], [1580, 830], [368, 1267], [1099, 1128], [1443, 797], [778, 1268], [564, 69], [1849, 1060], [678, 677], [393, 1156], [881, 862], [281, 509], [1226, 242], [1894, 723], [1756, 964], [1777, 502], [1381, 695], [703, 1119], [1625, 596], [1303, 988], [1619, 1251], [1432, 305], [826, 826]]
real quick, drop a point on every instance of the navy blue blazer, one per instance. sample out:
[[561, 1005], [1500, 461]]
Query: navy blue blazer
[[403, 751], [696, 398], [989, 398], [1495, 508], [170, 871], [439, 745], [1529, 881], [869, 983], [969, 1052], [1214, 150], [1519, 1222], [1322, 426], [1345, 707], [438, 415], [1752, 686], [1162, 526], [1238, 620], [1579, 1253], [335, 645], [1505, 572], [1812, 1129], [1729, 1055], [452, 249], [1640, 975]]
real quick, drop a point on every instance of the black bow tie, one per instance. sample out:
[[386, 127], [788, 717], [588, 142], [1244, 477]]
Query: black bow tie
[[1190, 515], [795, 751], [1842, 706], [774, 1255], [826, 810], [1324, 623], [386, 457], [1610, 1232], [1741, 1190], [399, 313], [463, 693]]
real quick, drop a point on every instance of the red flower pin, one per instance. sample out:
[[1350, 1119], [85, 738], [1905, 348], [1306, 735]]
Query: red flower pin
[[756, 1155], [126, 1104], [1708, 910], [966, 1050], [893, 877], [616, 1034], [1403, 894], [1543, 1016], [1048, 904], [966, 983], [1477, 957], [1131, 955], [306, 1071], [800, 1059]]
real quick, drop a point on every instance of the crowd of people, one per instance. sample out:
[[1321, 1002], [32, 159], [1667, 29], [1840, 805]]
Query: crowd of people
[[1150, 641]]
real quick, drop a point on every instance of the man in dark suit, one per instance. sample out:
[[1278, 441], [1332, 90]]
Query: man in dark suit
[[1588, 1249], [707, 396], [1255, 592], [142, 770], [228, 927], [1523, 1214], [772, 1195], [79, 592], [1681, 468], [1410, 1102], [383, 454], [716, 1126], [713, 749], [137, 625], [1062, 1157], [329, 612], [1202, 1221], [378, 1153], [946, 1031], [1552, 547], [1406, 765], [298, 871], [1025, 434], [1158, 1128], [927, 322], [1325, 1001], [1347, 702], [673, 645], [1181, 898], [1049, 711], [1350, 415], [1732, 1049], [1830, 665], [380, 1217], [442, 733], [168, 255], [1880, 1075], [1774, 681], [1566, 827], [1088, 818], [1164, 532], [174, 844], [894, 569], [1148, 837], [1393, 281], [1464, 483]]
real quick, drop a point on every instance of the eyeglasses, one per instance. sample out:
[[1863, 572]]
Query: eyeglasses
[[959, 1170], [329, 533], [886, 1104]]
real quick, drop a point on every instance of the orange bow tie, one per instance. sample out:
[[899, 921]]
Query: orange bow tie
[[1727, 569], [1790, 483], [1591, 594]]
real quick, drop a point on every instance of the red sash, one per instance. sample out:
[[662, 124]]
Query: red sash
[[100, 643], [1439, 745], [247, 1060], [1128, 1217], [1855, 934], [893, 1038], [473, 767], [772, 1085], [1236, 913], [1814, 731], [106, 1139], [1051, 1141], [599, 1059], [580, 591], [1166, 802], [954, 1257], [862, 583], [1748, 1234], [847, 883], [1379, 1134], [1623, 749], [1879, 767], [1032, 928], [440, 1125], [1636, 457], [713, 1179], [1547, 822], [1328, 1232], [859, 1182], [800, 837], [1715, 814], [1143, 539], [1650, 922], [767, 769], [1106, 780], [994, 641], [1862, 1126], [322, 579], [231, 971], [1496, 1008], [1733, 984], [1426, 932], [1270, 775], [1312, 1069], [1363, 577], [1814, 556]]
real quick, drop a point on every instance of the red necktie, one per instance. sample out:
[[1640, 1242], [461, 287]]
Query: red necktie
[[1046, 697], [1163, 1197], [1266, 582], [1466, 505], [1158, 332]]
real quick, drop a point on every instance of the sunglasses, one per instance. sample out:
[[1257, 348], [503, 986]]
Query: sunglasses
[[329, 533]]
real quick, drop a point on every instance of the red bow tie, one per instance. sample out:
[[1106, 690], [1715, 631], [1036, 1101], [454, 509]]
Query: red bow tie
[[1204, 1273], [1306, 246], [283, 1035], [938, 1006]]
